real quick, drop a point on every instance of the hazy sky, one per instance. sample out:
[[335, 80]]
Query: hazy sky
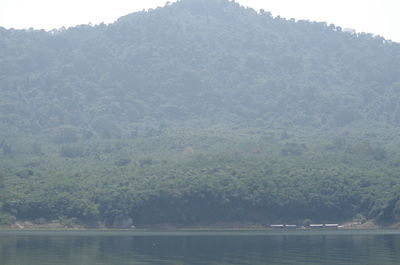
[[375, 16]]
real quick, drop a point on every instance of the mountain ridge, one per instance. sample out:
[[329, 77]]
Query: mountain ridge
[[209, 59]]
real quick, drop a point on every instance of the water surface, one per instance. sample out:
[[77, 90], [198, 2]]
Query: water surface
[[340, 247]]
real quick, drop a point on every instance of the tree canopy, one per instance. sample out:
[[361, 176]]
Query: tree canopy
[[199, 112]]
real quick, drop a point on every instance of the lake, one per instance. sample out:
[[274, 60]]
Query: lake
[[374, 247]]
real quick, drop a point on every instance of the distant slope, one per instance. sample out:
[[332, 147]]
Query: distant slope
[[208, 59]]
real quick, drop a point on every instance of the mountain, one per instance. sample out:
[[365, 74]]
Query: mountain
[[196, 59], [198, 112]]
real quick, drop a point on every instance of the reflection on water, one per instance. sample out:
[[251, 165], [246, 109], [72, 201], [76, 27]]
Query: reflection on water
[[117, 248]]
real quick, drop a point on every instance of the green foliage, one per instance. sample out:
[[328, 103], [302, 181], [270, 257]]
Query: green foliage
[[106, 126], [37, 149], [24, 173], [235, 174], [293, 149], [66, 134], [364, 148], [7, 151], [123, 162], [40, 221], [145, 162], [6, 219], [1, 182], [72, 151], [306, 222], [199, 112], [178, 64], [345, 116], [67, 222], [339, 142], [360, 218]]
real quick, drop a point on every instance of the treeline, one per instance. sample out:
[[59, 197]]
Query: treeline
[[199, 112], [265, 176]]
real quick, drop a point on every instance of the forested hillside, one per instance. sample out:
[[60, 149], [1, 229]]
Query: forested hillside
[[199, 112]]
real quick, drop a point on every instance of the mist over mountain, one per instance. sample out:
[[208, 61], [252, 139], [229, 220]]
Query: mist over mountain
[[211, 60], [198, 112]]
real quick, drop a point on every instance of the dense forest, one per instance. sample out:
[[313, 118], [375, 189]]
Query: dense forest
[[196, 113]]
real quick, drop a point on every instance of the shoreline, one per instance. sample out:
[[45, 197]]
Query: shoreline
[[56, 226]]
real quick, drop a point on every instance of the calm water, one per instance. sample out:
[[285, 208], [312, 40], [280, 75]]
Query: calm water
[[200, 248]]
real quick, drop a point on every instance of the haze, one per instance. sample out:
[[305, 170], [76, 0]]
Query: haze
[[374, 16], [198, 114]]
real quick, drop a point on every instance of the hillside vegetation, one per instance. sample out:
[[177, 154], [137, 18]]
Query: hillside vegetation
[[199, 112]]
